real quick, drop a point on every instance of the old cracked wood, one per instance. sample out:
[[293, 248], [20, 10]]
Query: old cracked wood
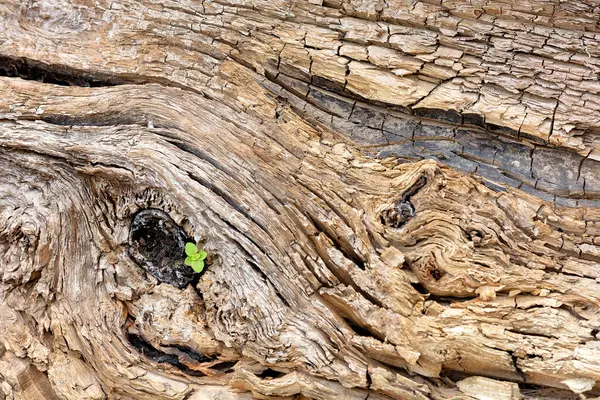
[[400, 199]]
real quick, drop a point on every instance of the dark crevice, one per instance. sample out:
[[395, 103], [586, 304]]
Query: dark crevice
[[446, 300], [112, 166], [443, 300], [515, 361], [528, 333], [55, 74], [100, 119], [189, 395], [225, 366], [357, 329], [63, 75], [414, 188], [191, 353], [572, 311], [437, 274], [146, 349], [360, 330], [270, 374], [529, 389], [419, 287], [197, 153]]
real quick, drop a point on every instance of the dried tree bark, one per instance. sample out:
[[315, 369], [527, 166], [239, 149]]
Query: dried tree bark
[[400, 199]]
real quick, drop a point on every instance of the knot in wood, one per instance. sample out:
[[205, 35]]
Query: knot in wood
[[157, 244], [403, 209], [475, 236], [399, 214]]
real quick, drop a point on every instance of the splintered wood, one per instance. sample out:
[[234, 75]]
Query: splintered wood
[[399, 199]]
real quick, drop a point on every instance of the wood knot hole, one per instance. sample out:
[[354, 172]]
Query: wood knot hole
[[403, 210], [475, 236], [157, 244], [398, 215]]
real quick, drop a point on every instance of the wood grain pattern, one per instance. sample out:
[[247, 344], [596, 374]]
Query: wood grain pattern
[[399, 199]]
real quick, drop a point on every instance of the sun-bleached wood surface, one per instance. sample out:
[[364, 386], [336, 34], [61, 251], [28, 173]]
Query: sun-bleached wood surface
[[399, 199]]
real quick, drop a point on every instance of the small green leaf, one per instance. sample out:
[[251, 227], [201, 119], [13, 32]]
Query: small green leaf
[[198, 265], [188, 261], [195, 256], [202, 254], [190, 249]]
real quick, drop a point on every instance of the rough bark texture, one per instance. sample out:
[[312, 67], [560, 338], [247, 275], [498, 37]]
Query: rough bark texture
[[400, 199]]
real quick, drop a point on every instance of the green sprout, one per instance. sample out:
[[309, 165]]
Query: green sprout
[[195, 258]]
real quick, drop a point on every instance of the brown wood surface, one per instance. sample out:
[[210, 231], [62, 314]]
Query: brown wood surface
[[400, 199]]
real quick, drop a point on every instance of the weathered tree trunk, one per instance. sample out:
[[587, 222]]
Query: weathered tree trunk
[[400, 199]]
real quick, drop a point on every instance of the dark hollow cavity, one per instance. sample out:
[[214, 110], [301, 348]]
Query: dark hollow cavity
[[270, 374], [158, 356], [475, 236], [191, 353], [157, 244]]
